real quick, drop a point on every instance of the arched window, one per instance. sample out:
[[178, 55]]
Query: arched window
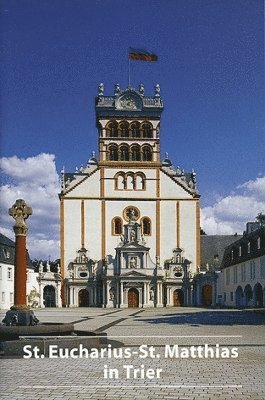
[[140, 181], [146, 226], [147, 130], [135, 130], [123, 129], [147, 153], [113, 153], [136, 154], [116, 226], [124, 153], [119, 181], [130, 181], [112, 129]]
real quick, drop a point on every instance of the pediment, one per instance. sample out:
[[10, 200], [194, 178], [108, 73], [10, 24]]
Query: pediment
[[134, 246], [134, 273]]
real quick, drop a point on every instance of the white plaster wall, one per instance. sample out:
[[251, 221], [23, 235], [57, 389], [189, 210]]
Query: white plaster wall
[[188, 231], [168, 229], [90, 187], [72, 229], [232, 286], [170, 189], [6, 286], [92, 210]]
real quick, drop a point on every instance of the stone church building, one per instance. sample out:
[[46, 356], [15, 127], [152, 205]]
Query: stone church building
[[129, 222]]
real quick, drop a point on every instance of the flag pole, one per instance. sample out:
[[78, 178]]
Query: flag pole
[[129, 72]]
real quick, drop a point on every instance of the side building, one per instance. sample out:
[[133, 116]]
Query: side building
[[7, 268], [242, 279], [206, 283], [130, 223]]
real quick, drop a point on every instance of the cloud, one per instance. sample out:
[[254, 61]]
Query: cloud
[[35, 180], [230, 214]]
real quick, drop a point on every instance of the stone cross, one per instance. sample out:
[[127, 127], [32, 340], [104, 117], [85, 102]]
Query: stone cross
[[20, 212]]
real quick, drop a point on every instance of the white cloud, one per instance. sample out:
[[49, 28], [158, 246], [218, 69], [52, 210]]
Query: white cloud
[[230, 214], [35, 180]]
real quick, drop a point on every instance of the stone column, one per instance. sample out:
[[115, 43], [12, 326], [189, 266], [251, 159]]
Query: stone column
[[20, 212], [121, 305], [159, 295], [104, 295]]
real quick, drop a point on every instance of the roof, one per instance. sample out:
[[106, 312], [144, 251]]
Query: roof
[[244, 249], [7, 252], [213, 246], [5, 241]]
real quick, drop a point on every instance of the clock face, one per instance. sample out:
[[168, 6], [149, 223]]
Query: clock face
[[129, 102]]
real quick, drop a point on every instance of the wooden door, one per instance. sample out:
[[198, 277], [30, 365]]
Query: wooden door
[[133, 298], [178, 298], [207, 295], [83, 298]]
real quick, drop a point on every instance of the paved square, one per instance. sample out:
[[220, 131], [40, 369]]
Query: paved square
[[180, 378]]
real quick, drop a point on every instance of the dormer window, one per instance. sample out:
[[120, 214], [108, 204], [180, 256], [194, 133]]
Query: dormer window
[[240, 251], [258, 243], [248, 247], [6, 253]]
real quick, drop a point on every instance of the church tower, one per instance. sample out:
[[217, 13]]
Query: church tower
[[129, 211]]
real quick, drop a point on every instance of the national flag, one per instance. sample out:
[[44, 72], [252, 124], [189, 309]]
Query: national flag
[[142, 55]]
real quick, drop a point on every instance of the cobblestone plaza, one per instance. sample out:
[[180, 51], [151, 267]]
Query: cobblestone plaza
[[180, 378]]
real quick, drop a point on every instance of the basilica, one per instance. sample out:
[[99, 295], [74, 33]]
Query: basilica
[[129, 220]]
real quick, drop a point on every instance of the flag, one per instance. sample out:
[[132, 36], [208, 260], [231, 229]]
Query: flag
[[142, 55]]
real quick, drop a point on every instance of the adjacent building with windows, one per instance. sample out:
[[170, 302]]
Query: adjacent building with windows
[[242, 280], [130, 223], [7, 261]]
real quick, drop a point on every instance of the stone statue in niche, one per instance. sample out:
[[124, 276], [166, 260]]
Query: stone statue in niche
[[132, 236], [133, 262], [112, 293]]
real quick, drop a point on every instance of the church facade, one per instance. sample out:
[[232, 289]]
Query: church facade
[[129, 222]]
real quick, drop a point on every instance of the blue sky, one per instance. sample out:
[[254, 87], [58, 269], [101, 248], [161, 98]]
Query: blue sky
[[211, 71]]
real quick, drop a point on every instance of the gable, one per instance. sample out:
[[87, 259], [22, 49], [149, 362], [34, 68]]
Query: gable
[[87, 186]]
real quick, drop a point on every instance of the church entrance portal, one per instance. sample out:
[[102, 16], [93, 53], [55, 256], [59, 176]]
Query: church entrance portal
[[207, 291], [178, 298], [133, 298], [49, 296], [83, 298]]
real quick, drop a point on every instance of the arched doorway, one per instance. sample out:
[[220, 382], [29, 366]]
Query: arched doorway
[[207, 292], [248, 295], [133, 298], [83, 298], [49, 296], [178, 298], [239, 297], [258, 295]]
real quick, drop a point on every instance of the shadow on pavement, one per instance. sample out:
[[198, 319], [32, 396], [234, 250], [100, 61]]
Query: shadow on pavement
[[211, 318]]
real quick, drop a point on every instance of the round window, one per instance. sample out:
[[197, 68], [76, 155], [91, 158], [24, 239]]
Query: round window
[[131, 212]]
